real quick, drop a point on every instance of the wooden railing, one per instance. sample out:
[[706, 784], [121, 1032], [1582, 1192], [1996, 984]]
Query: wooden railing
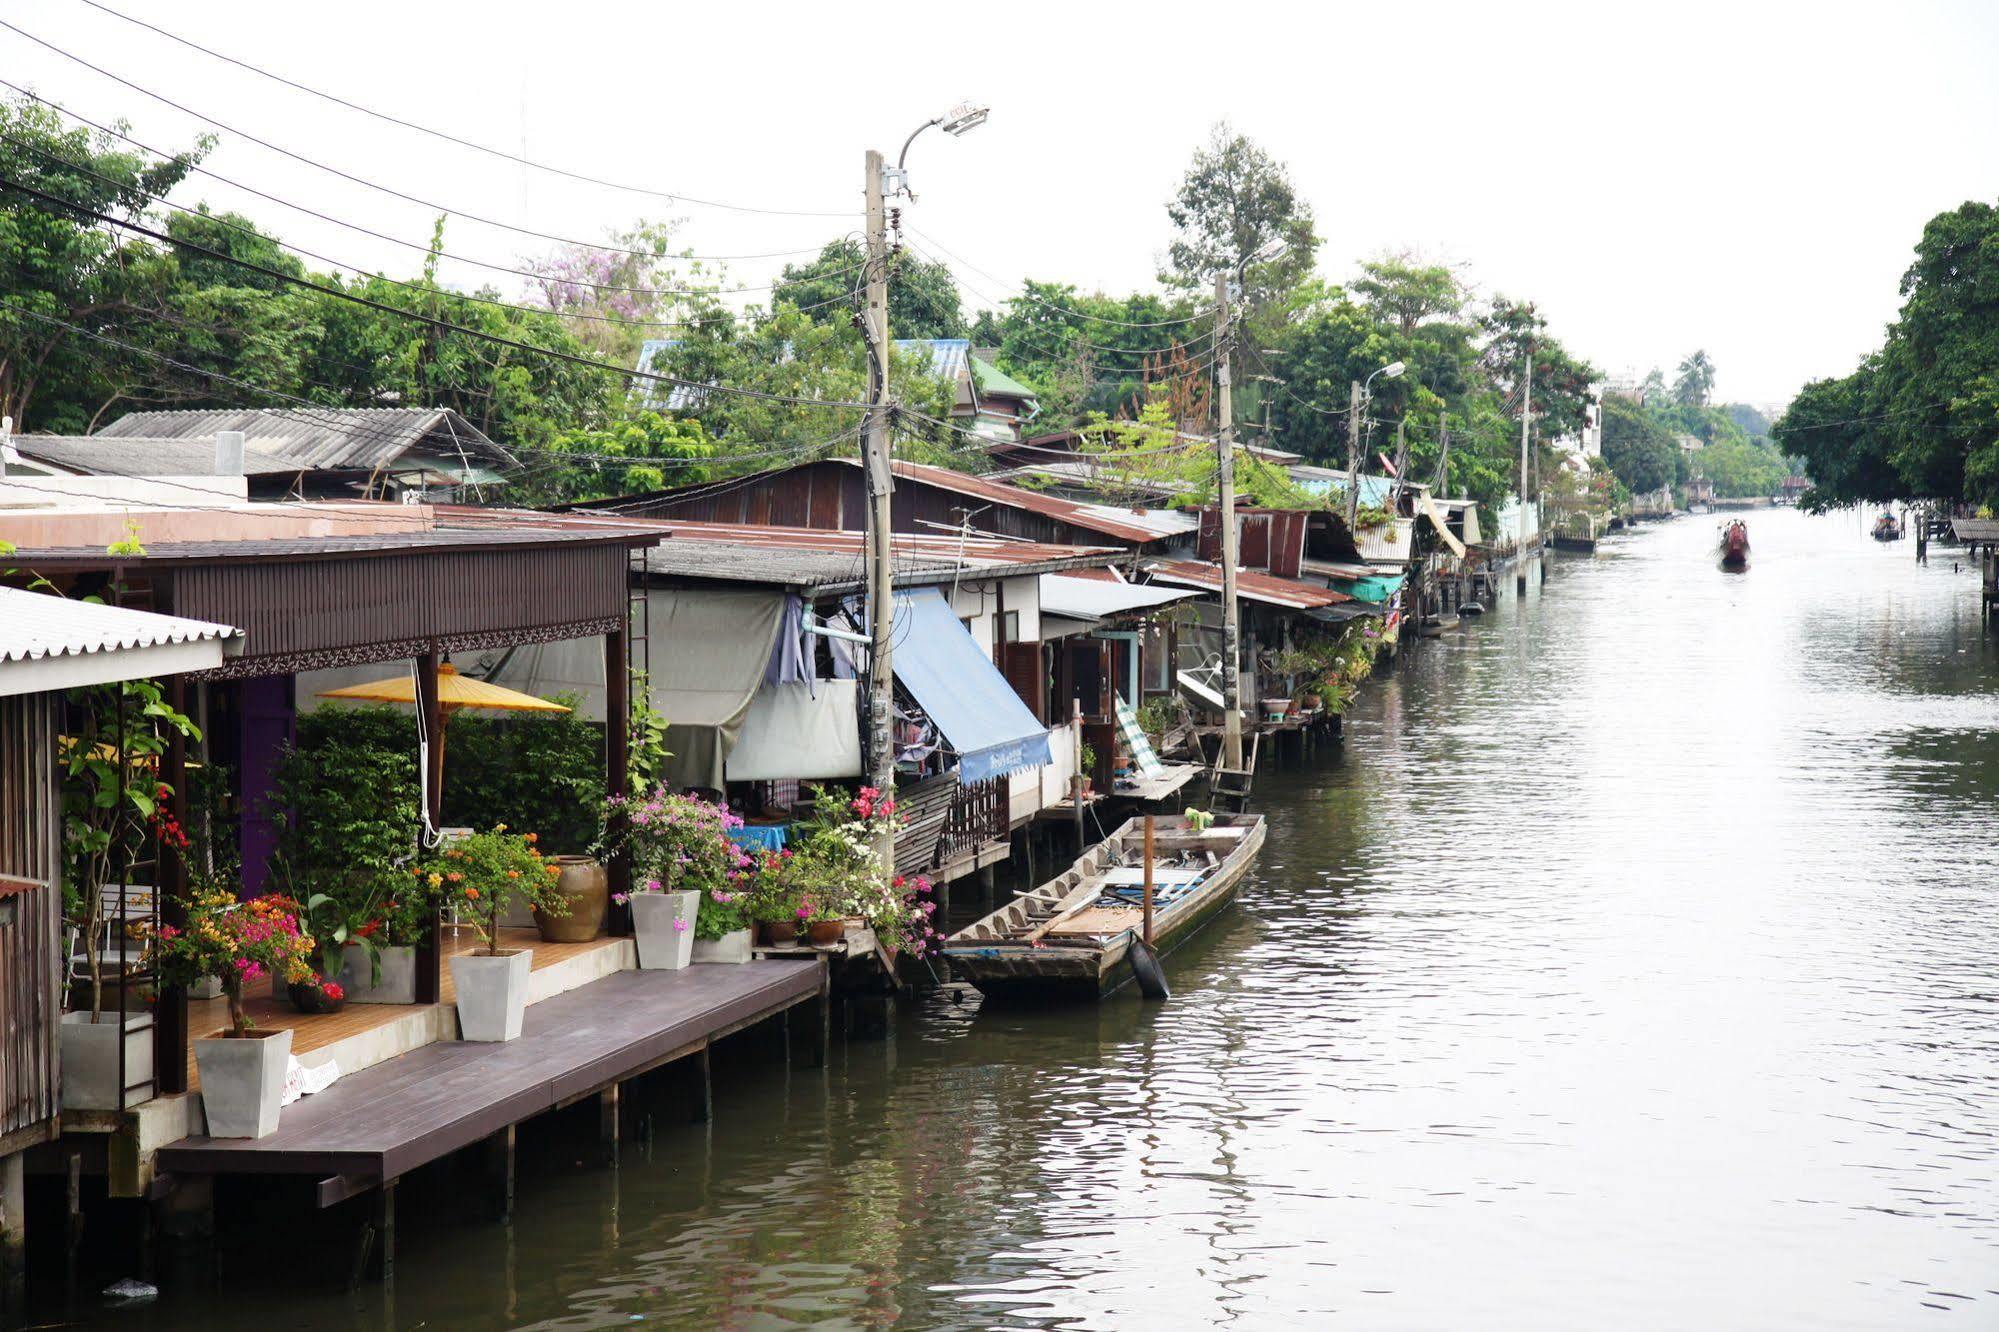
[[978, 815]]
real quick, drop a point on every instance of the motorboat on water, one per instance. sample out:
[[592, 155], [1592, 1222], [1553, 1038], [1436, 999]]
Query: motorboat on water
[[1734, 544], [1887, 528]]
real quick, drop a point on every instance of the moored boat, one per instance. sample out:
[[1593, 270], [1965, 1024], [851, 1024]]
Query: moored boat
[[1886, 528], [1735, 545], [1072, 938]]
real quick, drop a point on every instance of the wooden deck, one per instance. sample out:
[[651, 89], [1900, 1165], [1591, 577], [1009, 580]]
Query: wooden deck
[[378, 1124], [316, 1031]]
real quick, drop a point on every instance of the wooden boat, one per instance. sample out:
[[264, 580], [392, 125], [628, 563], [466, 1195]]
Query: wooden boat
[[1735, 545], [1886, 528], [1072, 937]]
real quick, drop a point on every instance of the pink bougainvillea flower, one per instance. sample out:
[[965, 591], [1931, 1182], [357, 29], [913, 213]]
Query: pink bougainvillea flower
[[621, 898], [680, 923]]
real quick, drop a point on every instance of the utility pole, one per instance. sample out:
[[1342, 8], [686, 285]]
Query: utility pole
[[1231, 613], [1353, 454], [1401, 458], [881, 483], [1526, 414]]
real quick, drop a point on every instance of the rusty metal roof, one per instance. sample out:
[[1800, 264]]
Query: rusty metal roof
[[1135, 525], [1249, 585]]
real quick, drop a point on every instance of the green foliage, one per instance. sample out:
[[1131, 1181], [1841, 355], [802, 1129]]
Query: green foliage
[[1085, 353], [1638, 446], [116, 734], [922, 295], [618, 458], [1919, 419], [1235, 200], [1695, 381], [485, 873]]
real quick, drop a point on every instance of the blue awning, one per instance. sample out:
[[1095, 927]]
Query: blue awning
[[962, 691]]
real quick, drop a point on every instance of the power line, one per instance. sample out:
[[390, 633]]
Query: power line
[[669, 196], [218, 177], [314, 163], [415, 316], [1061, 309], [357, 268]]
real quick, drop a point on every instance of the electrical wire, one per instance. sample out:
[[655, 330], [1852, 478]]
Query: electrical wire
[[304, 160], [669, 196], [412, 315], [1206, 313], [298, 250]]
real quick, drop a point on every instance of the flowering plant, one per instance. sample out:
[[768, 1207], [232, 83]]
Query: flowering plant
[[838, 872], [485, 872], [236, 943], [676, 842]]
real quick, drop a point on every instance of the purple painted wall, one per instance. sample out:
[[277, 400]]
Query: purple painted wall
[[267, 726]]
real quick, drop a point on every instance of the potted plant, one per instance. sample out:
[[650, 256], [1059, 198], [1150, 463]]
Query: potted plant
[[106, 803], [1086, 765], [483, 874], [680, 853], [239, 943], [835, 876], [722, 926]]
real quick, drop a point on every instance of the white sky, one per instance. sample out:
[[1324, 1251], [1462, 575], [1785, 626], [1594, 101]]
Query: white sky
[[1742, 177]]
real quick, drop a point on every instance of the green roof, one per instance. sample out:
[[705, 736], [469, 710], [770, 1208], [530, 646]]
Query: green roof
[[992, 379]]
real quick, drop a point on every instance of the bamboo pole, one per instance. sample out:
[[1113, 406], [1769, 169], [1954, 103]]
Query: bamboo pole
[[1148, 881]]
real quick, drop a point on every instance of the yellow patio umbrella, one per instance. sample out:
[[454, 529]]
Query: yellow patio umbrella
[[454, 693]]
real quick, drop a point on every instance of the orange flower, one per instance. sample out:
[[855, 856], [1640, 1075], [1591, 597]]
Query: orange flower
[[471, 894], [531, 838], [513, 874]]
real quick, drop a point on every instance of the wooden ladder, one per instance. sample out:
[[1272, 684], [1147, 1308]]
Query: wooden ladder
[[1228, 788]]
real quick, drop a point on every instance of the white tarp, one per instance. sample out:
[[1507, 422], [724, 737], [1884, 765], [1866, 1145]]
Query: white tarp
[[791, 731]]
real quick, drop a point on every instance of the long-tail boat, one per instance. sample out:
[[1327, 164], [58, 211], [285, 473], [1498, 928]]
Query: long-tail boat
[[1735, 545], [1073, 937], [1886, 528]]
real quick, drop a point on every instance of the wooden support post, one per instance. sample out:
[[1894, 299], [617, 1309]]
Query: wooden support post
[[1076, 782], [617, 765], [697, 1087], [72, 1238], [13, 1239], [385, 1231], [500, 1171], [808, 1028], [610, 1120], [430, 949], [1148, 880]]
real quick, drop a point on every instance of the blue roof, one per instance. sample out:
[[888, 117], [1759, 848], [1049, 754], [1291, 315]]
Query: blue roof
[[1374, 490], [962, 691], [655, 395]]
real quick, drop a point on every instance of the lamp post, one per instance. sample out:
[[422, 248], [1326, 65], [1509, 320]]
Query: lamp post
[[883, 183], [1356, 405]]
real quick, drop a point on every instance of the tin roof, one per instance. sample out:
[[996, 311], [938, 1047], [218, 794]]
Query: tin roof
[[352, 438], [138, 455], [1137, 525], [1249, 585], [50, 642], [829, 560]]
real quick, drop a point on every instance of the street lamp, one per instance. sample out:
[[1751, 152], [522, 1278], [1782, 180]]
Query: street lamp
[[959, 120], [1356, 406]]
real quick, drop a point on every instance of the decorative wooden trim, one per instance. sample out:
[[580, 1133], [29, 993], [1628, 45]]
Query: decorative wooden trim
[[362, 654], [11, 886]]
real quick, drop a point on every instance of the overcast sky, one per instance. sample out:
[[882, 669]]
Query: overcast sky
[[1742, 177]]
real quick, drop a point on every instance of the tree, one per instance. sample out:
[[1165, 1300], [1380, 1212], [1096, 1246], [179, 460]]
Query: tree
[[641, 452], [1235, 200], [1920, 417], [1085, 352], [1149, 453], [1407, 294], [616, 295], [1695, 381], [64, 266], [922, 295], [1562, 384], [1638, 447]]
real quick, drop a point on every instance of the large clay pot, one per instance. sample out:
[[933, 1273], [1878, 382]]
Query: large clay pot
[[587, 888]]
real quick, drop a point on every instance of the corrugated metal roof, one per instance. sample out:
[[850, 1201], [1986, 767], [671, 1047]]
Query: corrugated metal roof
[[1389, 543], [819, 557], [324, 437], [1094, 599], [133, 455], [989, 378], [1141, 525], [35, 625], [1249, 585], [1975, 529]]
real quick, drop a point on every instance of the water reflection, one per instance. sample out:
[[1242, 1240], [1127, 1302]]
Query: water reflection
[[1634, 966]]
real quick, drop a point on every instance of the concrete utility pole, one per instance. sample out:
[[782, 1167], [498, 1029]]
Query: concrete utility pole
[[1354, 401], [1231, 612], [1526, 414], [881, 484]]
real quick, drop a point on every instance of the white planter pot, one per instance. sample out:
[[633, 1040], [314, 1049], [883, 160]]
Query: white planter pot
[[732, 947], [492, 993], [243, 1082], [90, 1061], [397, 981], [661, 946], [206, 988]]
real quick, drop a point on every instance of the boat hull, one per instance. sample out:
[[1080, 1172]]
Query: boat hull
[[1075, 972]]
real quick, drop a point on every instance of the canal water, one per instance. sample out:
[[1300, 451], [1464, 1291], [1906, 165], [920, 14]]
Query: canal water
[[1635, 964]]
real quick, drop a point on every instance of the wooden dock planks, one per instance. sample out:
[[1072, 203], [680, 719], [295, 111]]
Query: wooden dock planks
[[386, 1120]]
